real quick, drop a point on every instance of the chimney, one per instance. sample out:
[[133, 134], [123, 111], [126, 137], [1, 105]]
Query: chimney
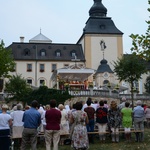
[[21, 39]]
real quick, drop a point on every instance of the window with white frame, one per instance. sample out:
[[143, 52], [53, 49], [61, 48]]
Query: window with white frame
[[29, 67], [54, 67], [42, 67]]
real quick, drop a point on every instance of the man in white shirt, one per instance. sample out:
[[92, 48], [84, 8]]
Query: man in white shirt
[[17, 121], [95, 105]]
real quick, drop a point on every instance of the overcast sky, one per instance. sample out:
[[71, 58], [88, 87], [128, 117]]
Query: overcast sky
[[63, 20]]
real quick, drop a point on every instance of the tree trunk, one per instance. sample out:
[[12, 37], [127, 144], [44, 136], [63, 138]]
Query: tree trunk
[[132, 95]]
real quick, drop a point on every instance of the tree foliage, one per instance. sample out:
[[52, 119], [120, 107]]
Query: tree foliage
[[21, 91], [147, 85], [18, 88], [43, 95], [141, 43], [129, 68], [6, 61]]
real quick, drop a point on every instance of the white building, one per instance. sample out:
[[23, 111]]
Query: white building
[[99, 45]]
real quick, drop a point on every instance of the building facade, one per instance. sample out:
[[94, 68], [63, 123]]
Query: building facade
[[99, 45]]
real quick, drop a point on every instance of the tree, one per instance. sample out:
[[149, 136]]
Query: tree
[[18, 88], [43, 95], [147, 85], [129, 68], [6, 61], [141, 43]]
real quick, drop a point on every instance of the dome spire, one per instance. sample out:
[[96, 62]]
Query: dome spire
[[98, 9]]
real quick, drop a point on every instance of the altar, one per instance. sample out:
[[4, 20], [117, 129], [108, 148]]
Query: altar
[[77, 86], [72, 77]]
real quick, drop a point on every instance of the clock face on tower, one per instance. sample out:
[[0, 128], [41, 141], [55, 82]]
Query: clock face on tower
[[105, 75]]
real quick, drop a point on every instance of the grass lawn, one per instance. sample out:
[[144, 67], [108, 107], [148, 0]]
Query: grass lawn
[[108, 145]]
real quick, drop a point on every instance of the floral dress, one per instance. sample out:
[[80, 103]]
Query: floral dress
[[114, 118], [79, 135]]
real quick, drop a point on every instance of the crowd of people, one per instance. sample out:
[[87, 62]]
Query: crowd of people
[[79, 121]]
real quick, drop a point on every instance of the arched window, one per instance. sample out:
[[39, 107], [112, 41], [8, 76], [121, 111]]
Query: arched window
[[29, 81], [105, 82], [42, 82]]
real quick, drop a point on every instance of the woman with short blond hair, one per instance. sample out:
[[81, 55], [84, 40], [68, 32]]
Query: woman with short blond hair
[[64, 126], [5, 123]]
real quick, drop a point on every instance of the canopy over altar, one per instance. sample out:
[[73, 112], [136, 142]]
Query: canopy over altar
[[73, 75]]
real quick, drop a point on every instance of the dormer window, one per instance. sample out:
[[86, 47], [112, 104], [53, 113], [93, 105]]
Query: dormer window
[[102, 26], [73, 54], [27, 52], [58, 53], [43, 52]]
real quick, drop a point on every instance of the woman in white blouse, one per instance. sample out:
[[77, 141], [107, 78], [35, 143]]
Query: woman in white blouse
[[5, 123], [64, 127]]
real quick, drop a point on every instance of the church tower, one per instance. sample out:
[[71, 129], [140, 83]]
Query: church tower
[[100, 37]]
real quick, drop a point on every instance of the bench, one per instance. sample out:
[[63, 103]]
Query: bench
[[121, 130]]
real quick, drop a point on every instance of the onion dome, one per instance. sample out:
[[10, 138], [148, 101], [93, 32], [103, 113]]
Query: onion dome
[[98, 9]]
